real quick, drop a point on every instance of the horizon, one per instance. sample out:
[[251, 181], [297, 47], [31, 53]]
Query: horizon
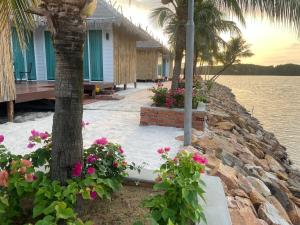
[[272, 44]]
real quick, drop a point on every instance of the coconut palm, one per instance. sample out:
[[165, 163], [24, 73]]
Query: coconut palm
[[209, 24], [66, 22], [236, 49], [12, 14], [280, 11]]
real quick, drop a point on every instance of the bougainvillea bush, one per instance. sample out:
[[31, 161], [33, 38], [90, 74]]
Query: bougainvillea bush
[[29, 196], [179, 184], [163, 97]]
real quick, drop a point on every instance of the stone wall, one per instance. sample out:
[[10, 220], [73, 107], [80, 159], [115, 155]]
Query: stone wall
[[159, 116]]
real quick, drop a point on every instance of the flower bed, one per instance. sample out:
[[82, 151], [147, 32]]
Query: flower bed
[[161, 116]]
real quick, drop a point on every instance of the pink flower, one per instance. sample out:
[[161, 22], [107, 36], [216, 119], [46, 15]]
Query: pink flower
[[35, 133], [167, 149], [84, 124], [161, 151], [77, 169], [3, 178], [91, 170], [115, 164], [199, 159], [124, 163], [30, 145], [1, 138], [26, 163], [121, 150], [44, 136], [29, 177], [101, 141], [93, 195], [91, 158]]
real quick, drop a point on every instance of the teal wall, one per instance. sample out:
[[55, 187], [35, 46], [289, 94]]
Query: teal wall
[[50, 56], [19, 56]]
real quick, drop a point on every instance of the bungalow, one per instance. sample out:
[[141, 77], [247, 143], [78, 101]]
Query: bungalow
[[154, 61], [109, 53]]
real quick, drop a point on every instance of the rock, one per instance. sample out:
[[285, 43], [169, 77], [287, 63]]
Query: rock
[[256, 198], [244, 184], [281, 196], [295, 200], [231, 160], [255, 171], [259, 186], [282, 175], [269, 213], [272, 200], [295, 191], [226, 125], [294, 214], [228, 176], [273, 164], [255, 150], [238, 192], [262, 163], [242, 212], [213, 163]]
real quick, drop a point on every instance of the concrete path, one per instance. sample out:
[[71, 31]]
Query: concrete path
[[116, 120]]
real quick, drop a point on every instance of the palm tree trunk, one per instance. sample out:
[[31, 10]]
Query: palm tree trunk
[[181, 12], [68, 33]]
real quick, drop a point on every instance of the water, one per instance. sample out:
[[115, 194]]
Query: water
[[275, 101]]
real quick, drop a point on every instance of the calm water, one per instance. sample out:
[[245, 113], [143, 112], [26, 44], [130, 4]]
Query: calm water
[[275, 101]]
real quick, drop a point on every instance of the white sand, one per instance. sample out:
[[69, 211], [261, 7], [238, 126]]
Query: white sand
[[116, 120]]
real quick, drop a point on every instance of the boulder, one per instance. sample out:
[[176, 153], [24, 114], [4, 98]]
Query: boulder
[[280, 194], [256, 198], [294, 213], [242, 211], [228, 176], [262, 163], [279, 208], [238, 192], [226, 125], [255, 150], [269, 213], [259, 186], [231, 160], [244, 184], [273, 164]]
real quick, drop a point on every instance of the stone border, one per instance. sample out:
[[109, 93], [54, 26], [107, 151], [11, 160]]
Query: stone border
[[174, 117]]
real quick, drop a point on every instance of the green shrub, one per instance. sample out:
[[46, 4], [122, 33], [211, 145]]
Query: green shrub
[[179, 184], [29, 196], [174, 99]]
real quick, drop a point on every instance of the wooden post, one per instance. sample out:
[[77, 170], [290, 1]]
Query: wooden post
[[125, 86], [10, 111]]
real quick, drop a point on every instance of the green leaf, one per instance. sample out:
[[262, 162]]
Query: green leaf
[[39, 208], [62, 212]]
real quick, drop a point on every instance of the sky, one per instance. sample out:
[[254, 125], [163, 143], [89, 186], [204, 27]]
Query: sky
[[272, 44]]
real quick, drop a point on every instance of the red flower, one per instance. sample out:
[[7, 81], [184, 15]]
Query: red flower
[[77, 169], [1, 138], [199, 159], [161, 151], [91, 170], [93, 195], [115, 164]]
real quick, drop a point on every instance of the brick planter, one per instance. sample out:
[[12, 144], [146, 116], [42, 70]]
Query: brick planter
[[159, 116]]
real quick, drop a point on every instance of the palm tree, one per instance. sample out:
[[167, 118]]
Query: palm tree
[[12, 14], [66, 22], [280, 11], [209, 24], [234, 51]]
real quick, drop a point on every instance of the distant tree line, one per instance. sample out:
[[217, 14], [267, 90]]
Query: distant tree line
[[251, 69]]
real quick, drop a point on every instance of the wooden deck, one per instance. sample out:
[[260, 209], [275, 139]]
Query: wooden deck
[[34, 90], [27, 91]]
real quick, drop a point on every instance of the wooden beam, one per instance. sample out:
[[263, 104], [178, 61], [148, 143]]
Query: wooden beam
[[10, 111]]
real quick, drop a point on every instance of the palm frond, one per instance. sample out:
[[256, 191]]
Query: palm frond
[[15, 11]]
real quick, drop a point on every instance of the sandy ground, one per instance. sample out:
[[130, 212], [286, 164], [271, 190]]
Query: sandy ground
[[116, 120]]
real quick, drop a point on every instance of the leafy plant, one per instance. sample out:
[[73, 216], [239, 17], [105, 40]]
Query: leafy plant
[[179, 184], [174, 99], [30, 196]]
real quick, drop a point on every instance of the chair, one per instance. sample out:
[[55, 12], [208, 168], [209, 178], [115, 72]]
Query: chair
[[22, 74]]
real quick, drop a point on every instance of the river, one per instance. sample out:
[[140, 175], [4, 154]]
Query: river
[[275, 101]]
